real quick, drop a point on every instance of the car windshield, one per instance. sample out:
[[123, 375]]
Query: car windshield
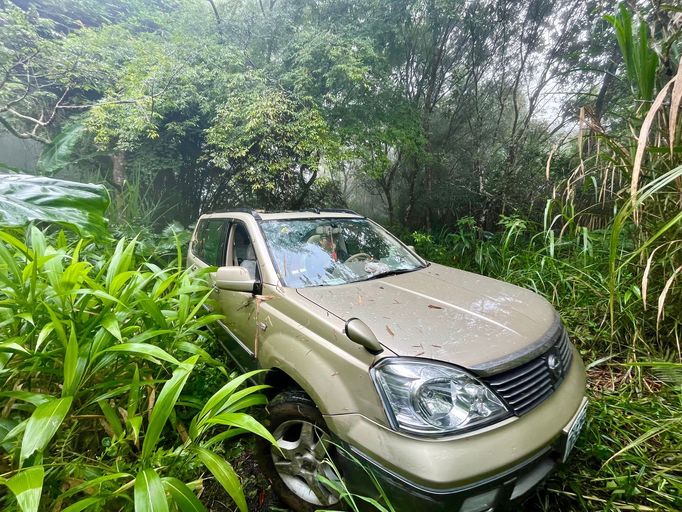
[[323, 252]]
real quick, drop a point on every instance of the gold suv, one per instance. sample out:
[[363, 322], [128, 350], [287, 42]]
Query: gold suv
[[457, 392]]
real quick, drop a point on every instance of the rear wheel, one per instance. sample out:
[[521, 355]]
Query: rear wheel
[[304, 454]]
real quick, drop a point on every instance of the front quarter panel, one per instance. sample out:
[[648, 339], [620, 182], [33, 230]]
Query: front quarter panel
[[309, 345]]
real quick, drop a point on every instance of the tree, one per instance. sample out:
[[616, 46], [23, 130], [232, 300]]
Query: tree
[[271, 146]]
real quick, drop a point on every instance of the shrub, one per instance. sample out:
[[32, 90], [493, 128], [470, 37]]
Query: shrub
[[96, 348]]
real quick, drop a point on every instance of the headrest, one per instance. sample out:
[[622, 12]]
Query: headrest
[[326, 230], [250, 253]]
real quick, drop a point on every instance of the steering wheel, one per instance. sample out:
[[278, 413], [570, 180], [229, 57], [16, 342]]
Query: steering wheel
[[357, 256]]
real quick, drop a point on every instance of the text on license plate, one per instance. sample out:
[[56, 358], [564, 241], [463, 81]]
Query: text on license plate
[[575, 428]]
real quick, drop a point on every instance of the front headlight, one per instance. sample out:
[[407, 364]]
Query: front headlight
[[430, 398]]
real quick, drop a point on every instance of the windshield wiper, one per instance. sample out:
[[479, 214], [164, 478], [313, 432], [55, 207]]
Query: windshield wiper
[[393, 272]]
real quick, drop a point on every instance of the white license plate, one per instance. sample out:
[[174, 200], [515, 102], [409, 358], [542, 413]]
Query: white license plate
[[573, 429]]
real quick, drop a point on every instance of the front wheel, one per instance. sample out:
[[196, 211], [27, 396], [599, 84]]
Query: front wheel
[[304, 454]]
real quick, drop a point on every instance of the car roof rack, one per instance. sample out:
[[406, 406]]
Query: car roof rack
[[250, 211], [338, 210], [256, 213]]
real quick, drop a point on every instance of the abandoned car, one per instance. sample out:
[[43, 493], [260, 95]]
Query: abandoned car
[[456, 392]]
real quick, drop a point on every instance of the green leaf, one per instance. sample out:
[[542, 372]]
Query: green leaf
[[120, 261], [146, 335], [18, 429], [43, 424], [224, 436], [60, 152], [94, 482], [12, 346], [134, 395], [78, 206], [110, 323], [111, 417], [71, 373], [243, 421], [44, 333], [150, 307], [182, 495], [165, 404], [27, 485], [6, 426], [82, 504], [26, 396], [192, 348], [135, 423], [236, 400], [145, 350], [220, 397], [149, 493], [224, 474], [246, 402]]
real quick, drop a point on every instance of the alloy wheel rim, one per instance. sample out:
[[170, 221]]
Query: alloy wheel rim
[[302, 458]]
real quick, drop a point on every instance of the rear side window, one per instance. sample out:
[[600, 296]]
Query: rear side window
[[210, 244]]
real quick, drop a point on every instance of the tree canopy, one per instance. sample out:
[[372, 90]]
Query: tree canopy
[[378, 103]]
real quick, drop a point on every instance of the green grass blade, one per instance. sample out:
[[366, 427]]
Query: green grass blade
[[151, 352], [43, 424], [149, 493], [165, 404], [83, 504], [182, 495], [225, 474], [71, 377], [111, 417], [93, 483], [27, 486], [244, 421]]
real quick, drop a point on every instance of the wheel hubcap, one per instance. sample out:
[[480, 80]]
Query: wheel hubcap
[[303, 459]]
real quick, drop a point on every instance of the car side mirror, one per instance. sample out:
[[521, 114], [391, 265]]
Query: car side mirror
[[235, 279], [411, 248], [360, 333]]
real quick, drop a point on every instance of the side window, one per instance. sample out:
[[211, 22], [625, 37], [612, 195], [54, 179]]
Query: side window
[[241, 252], [210, 244]]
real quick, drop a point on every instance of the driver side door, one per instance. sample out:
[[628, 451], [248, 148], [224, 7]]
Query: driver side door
[[241, 308]]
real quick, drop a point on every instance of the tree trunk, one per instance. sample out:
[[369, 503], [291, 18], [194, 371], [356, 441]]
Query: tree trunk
[[118, 177], [389, 203], [118, 160]]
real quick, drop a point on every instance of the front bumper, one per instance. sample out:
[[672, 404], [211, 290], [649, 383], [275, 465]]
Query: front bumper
[[474, 472], [367, 478]]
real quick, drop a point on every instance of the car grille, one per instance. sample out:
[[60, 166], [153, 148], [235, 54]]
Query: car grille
[[528, 385]]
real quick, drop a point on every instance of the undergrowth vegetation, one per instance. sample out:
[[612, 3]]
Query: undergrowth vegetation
[[108, 378], [628, 457], [608, 254], [97, 347]]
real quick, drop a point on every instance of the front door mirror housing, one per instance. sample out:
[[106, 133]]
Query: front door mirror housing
[[235, 279]]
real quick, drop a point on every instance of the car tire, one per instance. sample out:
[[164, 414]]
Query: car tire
[[298, 426]]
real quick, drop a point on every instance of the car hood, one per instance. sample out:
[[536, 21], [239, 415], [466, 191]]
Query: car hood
[[447, 314]]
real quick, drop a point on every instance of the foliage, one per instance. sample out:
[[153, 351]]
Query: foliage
[[535, 141], [627, 457], [385, 98], [97, 347], [585, 273], [25, 199], [641, 61], [271, 143]]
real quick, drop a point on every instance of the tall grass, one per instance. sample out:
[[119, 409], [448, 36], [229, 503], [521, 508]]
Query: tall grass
[[608, 255]]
